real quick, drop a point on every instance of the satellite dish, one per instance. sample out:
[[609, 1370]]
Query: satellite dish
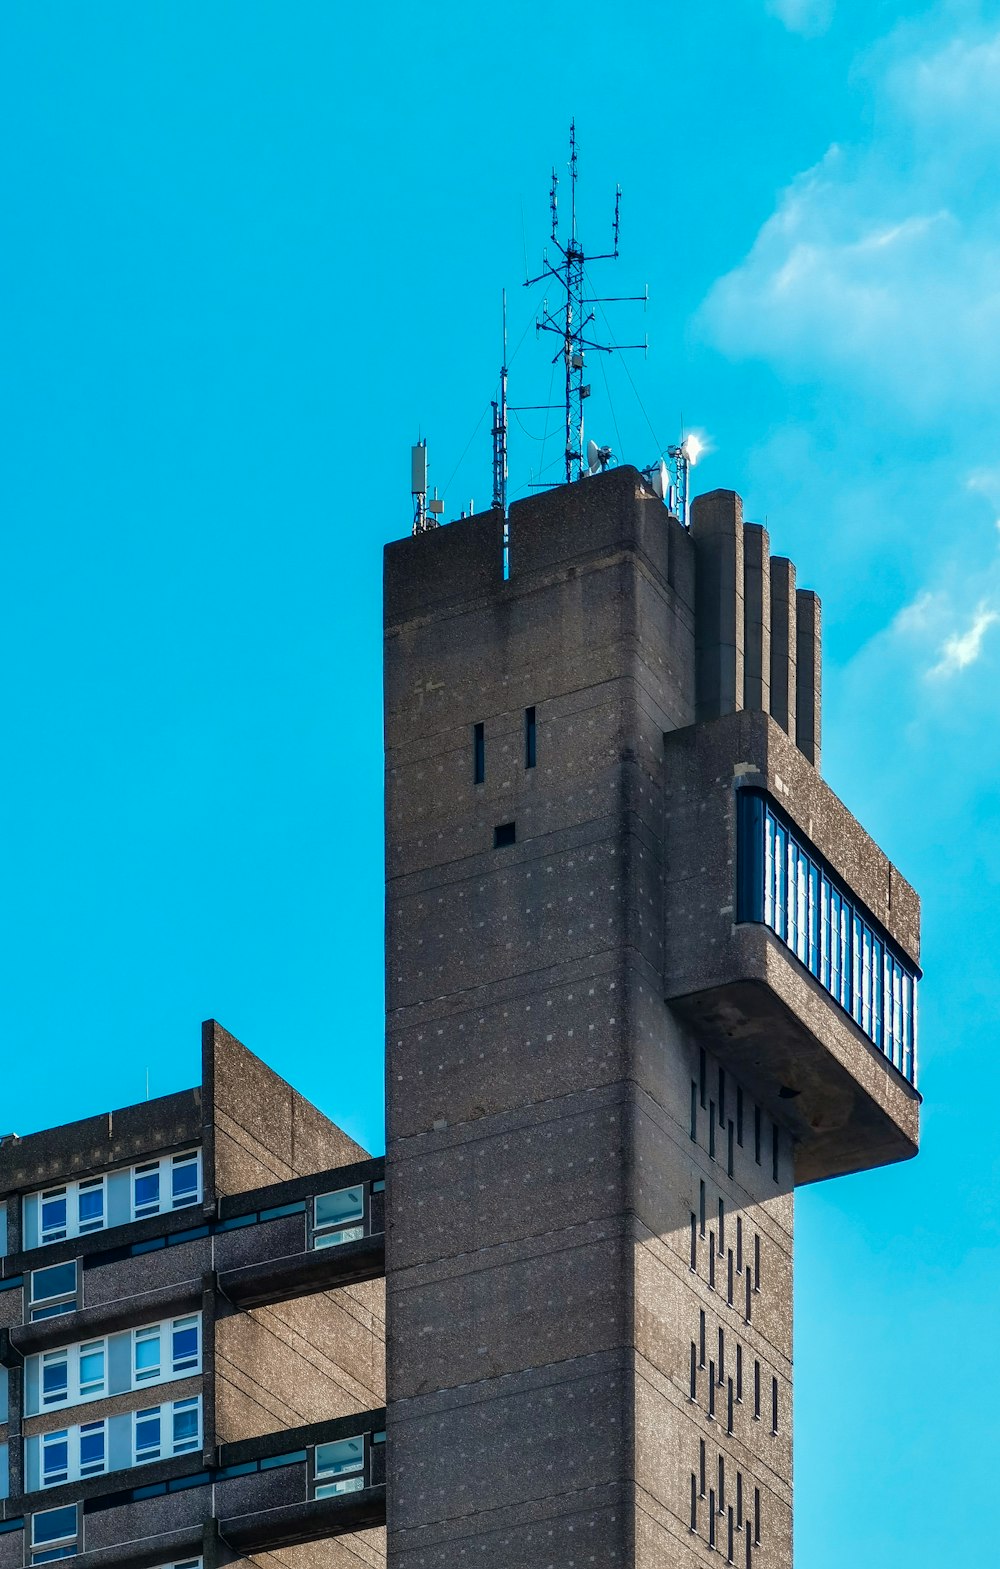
[[598, 458]]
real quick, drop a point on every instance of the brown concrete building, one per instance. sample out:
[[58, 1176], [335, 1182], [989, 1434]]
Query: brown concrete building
[[192, 1333], [645, 973]]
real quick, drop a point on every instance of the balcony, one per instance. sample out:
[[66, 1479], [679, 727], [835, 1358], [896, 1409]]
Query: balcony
[[792, 944]]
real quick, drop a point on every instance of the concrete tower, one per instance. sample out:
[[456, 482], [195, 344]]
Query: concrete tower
[[645, 973]]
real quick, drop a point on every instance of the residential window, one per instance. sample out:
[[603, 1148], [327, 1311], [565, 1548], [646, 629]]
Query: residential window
[[70, 1453], [338, 1217], [72, 1374], [340, 1467], [173, 1428], [55, 1533], [53, 1290], [71, 1210], [173, 1182], [168, 1350]]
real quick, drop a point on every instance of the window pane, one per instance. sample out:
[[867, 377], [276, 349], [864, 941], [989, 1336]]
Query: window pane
[[348, 1454], [57, 1281], [53, 1525], [55, 1378], [55, 1457], [185, 1425], [147, 1355], [336, 1209], [91, 1206], [147, 1434], [185, 1181], [91, 1448], [54, 1214], [147, 1187], [185, 1338], [91, 1368]]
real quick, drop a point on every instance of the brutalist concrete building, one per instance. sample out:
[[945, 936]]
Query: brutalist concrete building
[[644, 973]]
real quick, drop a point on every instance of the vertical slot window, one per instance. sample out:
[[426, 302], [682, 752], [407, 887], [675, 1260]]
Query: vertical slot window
[[530, 738], [775, 1148], [694, 1110], [774, 1405], [756, 1134], [479, 754]]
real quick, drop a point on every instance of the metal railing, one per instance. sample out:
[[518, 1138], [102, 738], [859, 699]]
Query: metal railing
[[784, 884]]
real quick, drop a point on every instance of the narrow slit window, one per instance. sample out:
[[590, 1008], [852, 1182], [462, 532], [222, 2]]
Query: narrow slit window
[[701, 1469], [739, 1378], [722, 1096], [722, 1226], [756, 1390], [730, 1281], [711, 1262], [694, 1502], [739, 1115], [711, 1130], [693, 1385], [722, 1352], [722, 1483], [774, 1405], [730, 1542], [731, 1150], [701, 1207], [530, 738], [748, 1308], [711, 1391], [478, 754], [504, 834], [756, 1516], [694, 1109], [694, 1241], [756, 1134], [701, 1338], [711, 1517], [729, 1407], [756, 1261], [703, 1076], [739, 1244], [774, 1151]]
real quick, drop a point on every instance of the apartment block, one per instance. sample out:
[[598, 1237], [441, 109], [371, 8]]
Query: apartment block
[[192, 1332]]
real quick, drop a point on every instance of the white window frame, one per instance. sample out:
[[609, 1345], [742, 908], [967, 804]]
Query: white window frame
[[343, 1475], [167, 1447], [62, 1301], [164, 1168], [73, 1226], [74, 1467], [167, 1370], [331, 1234], [52, 1551], [73, 1355]]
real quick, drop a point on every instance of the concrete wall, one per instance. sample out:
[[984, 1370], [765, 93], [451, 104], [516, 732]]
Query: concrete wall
[[257, 1128]]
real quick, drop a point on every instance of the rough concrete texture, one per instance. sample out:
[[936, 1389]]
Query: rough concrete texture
[[298, 1362], [360, 1550], [257, 1128], [563, 1226]]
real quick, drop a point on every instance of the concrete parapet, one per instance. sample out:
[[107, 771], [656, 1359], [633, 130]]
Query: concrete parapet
[[717, 532], [808, 674], [757, 618], [783, 643]]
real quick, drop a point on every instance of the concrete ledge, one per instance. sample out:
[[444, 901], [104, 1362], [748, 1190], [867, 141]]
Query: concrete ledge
[[304, 1522], [303, 1274]]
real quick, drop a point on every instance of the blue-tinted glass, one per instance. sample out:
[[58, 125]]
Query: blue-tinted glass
[[185, 1346], [147, 1431], [54, 1214], [185, 1183], [55, 1452], [91, 1367], [91, 1207], [51, 1525], [348, 1454], [55, 1381], [185, 1427], [335, 1209], [48, 1557], [147, 1189], [147, 1356], [92, 1447]]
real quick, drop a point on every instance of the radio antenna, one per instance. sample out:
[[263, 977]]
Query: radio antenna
[[500, 429], [572, 317]]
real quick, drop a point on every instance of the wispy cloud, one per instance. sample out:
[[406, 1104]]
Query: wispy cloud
[[809, 17], [962, 649]]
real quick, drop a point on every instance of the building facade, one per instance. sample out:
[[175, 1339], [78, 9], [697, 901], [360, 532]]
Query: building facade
[[645, 974]]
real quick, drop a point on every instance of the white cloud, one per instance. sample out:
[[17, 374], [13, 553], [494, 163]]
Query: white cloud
[[803, 16], [881, 264], [962, 649]]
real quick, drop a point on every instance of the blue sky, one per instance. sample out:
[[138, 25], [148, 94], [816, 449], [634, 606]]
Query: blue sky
[[246, 252]]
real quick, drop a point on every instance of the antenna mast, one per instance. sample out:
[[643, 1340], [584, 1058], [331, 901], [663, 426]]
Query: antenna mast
[[572, 317], [500, 429], [426, 514]]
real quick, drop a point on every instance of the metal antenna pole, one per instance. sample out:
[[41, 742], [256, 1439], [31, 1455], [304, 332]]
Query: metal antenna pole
[[500, 429], [573, 315]]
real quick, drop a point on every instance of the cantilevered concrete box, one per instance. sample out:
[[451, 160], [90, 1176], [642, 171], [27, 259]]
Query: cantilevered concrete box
[[764, 1015]]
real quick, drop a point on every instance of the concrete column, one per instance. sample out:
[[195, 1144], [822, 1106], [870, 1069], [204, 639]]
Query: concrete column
[[717, 532], [757, 618], [783, 643], [808, 679]]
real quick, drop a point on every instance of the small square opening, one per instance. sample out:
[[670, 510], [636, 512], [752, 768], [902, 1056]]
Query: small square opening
[[503, 835]]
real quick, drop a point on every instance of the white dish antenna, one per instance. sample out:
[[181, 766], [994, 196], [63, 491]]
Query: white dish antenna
[[598, 458]]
